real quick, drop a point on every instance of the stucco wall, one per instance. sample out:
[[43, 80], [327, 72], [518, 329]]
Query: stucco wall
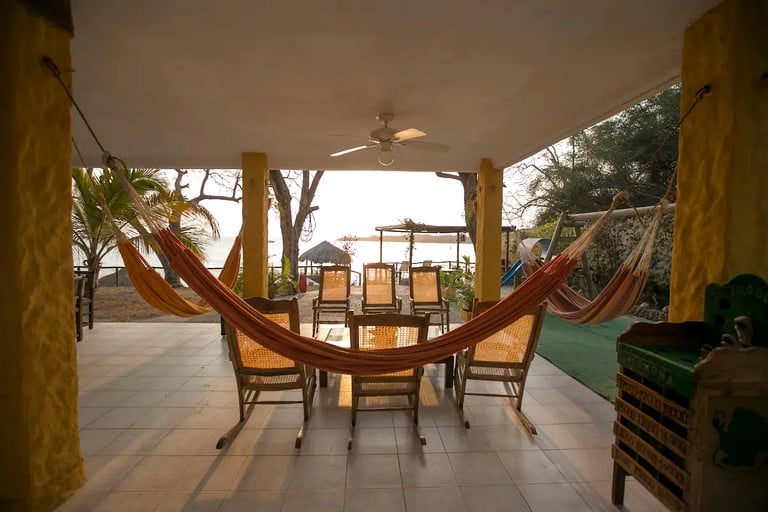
[[722, 210], [39, 443]]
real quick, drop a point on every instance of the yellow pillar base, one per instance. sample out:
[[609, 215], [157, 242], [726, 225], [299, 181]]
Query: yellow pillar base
[[722, 198]]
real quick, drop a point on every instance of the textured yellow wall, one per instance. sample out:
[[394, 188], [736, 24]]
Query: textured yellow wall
[[721, 223], [40, 462], [255, 224], [489, 206]]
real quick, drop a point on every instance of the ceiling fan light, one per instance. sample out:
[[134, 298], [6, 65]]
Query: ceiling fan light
[[386, 157]]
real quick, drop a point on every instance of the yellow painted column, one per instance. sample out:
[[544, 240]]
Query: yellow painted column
[[489, 203], [722, 198], [40, 463], [255, 224]]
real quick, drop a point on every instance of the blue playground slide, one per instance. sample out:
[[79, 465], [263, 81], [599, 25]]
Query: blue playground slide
[[511, 271]]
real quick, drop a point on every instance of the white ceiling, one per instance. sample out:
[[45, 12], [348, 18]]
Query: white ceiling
[[194, 83]]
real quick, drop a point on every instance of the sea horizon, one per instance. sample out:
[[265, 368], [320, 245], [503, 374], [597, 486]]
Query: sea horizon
[[363, 251]]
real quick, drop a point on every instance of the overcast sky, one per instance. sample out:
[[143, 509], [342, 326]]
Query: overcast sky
[[355, 202]]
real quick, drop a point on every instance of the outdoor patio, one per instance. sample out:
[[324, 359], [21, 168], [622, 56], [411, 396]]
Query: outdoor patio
[[155, 397]]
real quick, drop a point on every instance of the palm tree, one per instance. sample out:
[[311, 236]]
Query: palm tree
[[94, 237]]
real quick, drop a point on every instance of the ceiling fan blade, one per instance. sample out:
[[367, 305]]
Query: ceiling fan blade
[[410, 133], [428, 146], [351, 150]]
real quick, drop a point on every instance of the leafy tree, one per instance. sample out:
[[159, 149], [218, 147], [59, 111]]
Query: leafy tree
[[636, 150]]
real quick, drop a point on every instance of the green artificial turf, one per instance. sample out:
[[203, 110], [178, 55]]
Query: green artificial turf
[[585, 352]]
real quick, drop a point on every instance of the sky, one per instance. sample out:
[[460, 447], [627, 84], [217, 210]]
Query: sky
[[355, 202]]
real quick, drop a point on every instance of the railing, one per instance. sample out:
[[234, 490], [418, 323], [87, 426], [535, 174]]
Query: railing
[[308, 270]]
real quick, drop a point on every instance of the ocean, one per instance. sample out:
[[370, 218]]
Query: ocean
[[363, 252]]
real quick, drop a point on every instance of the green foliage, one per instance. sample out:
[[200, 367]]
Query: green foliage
[[282, 284], [637, 147], [462, 283]]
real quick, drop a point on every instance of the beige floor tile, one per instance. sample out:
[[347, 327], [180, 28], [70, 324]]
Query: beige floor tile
[[191, 502], [128, 502], [252, 501], [374, 500], [583, 464], [162, 417], [134, 384], [184, 399], [530, 467], [426, 470], [210, 473], [374, 440], [265, 473], [87, 415], [302, 501], [120, 417], [509, 438], [319, 472], [273, 441], [103, 472], [461, 439], [154, 473], [186, 441], [494, 498], [446, 499], [482, 468], [552, 497], [408, 442], [325, 441], [222, 417], [135, 441], [93, 441], [598, 496], [373, 472]]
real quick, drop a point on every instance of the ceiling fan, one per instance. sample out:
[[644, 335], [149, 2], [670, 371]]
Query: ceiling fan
[[386, 136]]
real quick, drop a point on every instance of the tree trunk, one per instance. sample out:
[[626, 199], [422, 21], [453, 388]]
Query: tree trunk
[[469, 183], [291, 228], [171, 277]]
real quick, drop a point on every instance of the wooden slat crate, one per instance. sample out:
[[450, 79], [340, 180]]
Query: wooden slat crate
[[692, 424]]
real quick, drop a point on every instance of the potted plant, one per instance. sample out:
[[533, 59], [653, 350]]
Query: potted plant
[[464, 296]]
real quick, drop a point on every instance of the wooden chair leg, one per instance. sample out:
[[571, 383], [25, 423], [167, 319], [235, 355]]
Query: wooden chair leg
[[460, 389], [617, 487], [232, 432]]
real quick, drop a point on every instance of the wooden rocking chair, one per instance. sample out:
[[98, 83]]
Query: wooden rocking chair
[[503, 357], [375, 332], [259, 369]]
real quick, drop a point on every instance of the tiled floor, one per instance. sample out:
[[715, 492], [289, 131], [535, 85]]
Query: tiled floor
[[154, 398]]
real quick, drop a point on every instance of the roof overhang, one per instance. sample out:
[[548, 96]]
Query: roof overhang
[[195, 84]]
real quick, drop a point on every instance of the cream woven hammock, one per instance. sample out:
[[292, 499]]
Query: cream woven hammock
[[619, 295]]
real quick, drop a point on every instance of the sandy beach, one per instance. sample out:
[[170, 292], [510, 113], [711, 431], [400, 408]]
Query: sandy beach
[[124, 304]]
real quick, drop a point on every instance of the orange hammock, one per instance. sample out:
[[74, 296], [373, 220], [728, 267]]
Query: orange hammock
[[148, 283], [316, 353], [619, 295], [158, 293]]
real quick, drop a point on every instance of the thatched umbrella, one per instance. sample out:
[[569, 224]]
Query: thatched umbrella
[[326, 252]]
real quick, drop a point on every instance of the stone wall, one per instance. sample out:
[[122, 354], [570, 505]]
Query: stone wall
[[613, 245]]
